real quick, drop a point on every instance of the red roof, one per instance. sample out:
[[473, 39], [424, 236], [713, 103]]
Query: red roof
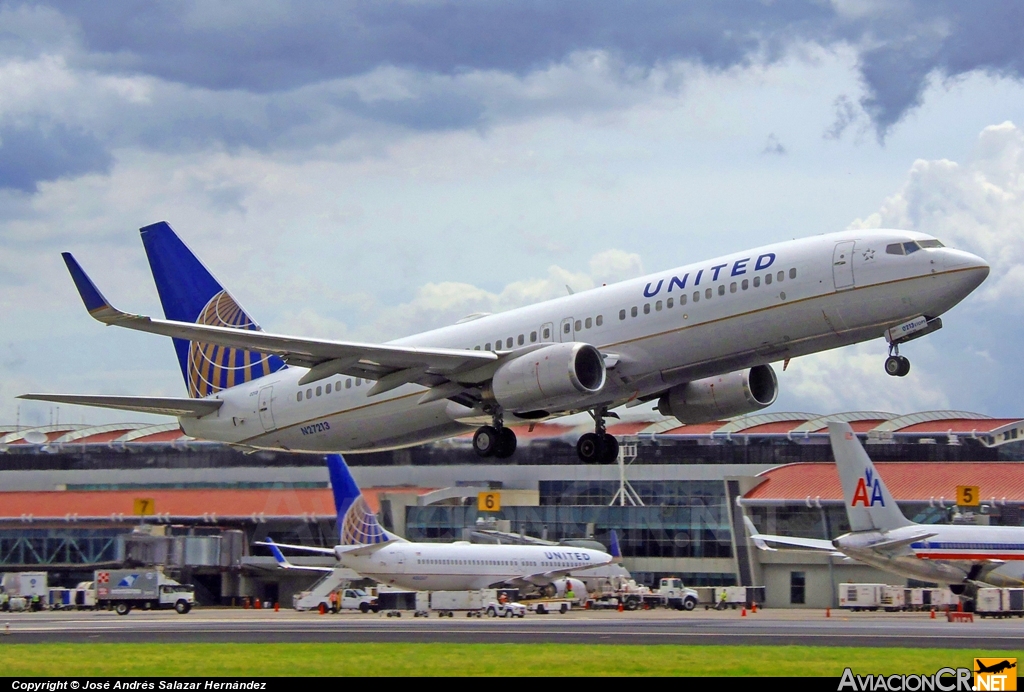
[[959, 425], [272, 502], [907, 481], [782, 426]]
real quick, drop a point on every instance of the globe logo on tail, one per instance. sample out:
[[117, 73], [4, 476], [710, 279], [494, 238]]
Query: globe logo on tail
[[211, 367]]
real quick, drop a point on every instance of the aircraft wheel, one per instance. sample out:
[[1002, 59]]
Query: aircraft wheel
[[485, 441], [589, 448], [904, 366], [893, 366], [506, 446], [609, 449]]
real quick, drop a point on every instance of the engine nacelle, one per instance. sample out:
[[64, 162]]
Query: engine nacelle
[[723, 396], [550, 378]]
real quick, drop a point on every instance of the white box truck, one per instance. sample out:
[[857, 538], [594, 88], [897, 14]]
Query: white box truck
[[30, 586], [124, 589]]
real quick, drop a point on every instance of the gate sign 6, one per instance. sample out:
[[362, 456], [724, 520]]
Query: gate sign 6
[[488, 502]]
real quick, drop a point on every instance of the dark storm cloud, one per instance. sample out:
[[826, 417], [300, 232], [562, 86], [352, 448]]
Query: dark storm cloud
[[282, 74], [32, 154]]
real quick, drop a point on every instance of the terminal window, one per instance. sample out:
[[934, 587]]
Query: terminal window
[[797, 587]]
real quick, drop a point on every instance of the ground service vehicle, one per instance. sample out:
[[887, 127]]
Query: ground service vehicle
[[676, 595], [26, 585], [999, 603], [124, 589], [505, 610]]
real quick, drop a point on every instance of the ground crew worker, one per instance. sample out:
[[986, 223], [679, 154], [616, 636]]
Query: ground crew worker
[[334, 601], [503, 598], [722, 601], [569, 593]]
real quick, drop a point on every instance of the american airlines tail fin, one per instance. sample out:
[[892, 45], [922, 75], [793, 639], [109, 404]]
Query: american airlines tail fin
[[190, 293], [357, 525], [869, 504]]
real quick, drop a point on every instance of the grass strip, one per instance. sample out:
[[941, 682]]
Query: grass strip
[[327, 659]]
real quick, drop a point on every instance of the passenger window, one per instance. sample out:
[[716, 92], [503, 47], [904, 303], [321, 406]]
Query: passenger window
[[533, 337], [696, 296], [767, 279], [780, 276], [319, 391], [589, 323], [579, 325], [894, 249], [707, 293], [348, 383], [600, 320], [647, 308], [757, 281], [792, 273], [721, 290], [521, 340], [622, 314], [327, 389], [309, 393], [298, 396], [668, 303], [337, 386], [568, 328], [547, 333], [632, 311], [508, 342], [358, 381], [657, 306], [744, 284], [682, 299], [732, 287], [487, 346]]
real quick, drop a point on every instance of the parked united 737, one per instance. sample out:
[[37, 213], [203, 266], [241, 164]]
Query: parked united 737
[[698, 339], [881, 536], [365, 547]]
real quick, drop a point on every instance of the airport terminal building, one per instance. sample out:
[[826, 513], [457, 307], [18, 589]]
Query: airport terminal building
[[74, 498]]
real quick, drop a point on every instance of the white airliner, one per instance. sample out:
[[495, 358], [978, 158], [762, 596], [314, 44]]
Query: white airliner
[[697, 339], [881, 536], [365, 547]]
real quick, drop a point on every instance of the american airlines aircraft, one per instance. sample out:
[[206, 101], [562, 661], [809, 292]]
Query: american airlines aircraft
[[881, 536], [697, 339], [365, 547]]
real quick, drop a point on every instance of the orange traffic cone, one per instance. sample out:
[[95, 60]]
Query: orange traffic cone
[[753, 608], [828, 612], [322, 609], [621, 608], [933, 614], [743, 613], [277, 607]]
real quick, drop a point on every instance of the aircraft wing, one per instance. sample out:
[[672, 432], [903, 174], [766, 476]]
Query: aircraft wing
[[390, 366], [283, 563], [761, 540], [165, 405], [275, 546]]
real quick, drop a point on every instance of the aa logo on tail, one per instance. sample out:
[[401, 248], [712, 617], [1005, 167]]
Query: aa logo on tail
[[871, 485]]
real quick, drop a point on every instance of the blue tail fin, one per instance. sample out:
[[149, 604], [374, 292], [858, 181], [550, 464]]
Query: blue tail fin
[[190, 293], [613, 548], [357, 525]]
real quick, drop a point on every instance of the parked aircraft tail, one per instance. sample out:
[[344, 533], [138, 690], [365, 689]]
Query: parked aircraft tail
[[869, 504], [190, 293], [613, 547], [357, 524]]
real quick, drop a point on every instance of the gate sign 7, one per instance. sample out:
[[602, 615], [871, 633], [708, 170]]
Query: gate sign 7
[[488, 502], [968, 495], [144, 507]]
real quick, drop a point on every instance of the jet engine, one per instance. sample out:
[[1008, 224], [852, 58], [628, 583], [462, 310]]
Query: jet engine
[[552, 377], [723, 396]]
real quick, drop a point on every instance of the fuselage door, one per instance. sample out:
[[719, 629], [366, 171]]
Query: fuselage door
[[265, 407], [565, 332], [842, 265], [547, 331]]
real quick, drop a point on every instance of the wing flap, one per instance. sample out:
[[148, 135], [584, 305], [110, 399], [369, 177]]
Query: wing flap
[[164, 405]]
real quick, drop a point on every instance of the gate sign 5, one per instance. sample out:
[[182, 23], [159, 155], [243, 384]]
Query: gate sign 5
[[968, 495], [488, 502]]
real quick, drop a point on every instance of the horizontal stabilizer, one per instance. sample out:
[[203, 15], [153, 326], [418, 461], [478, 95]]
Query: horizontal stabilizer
[[761, 540], [181, 407], [282, 561]]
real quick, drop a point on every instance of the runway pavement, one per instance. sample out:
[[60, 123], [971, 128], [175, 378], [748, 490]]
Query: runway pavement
[[809, 627]]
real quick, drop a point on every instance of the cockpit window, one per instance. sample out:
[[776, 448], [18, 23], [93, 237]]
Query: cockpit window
[[911, 247], [894, 249], [930, 243]]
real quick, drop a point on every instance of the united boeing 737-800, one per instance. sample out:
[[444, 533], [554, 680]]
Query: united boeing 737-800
[[698, 339]]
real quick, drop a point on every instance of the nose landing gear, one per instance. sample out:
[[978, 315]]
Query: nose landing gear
[[495, 440], [896, 365], [598, 447]]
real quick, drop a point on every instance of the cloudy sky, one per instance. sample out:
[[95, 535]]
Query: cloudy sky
[[366, 170]]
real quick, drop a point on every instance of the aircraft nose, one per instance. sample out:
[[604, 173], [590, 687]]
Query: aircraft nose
[[960, 259]]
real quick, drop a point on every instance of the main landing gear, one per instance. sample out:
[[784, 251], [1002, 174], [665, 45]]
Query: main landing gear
[[896, 365], [495, 440], [598, 447]]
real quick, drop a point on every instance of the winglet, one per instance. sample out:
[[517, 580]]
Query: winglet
[[91, 296], [614, 549], [755, 535], [279, 557]]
